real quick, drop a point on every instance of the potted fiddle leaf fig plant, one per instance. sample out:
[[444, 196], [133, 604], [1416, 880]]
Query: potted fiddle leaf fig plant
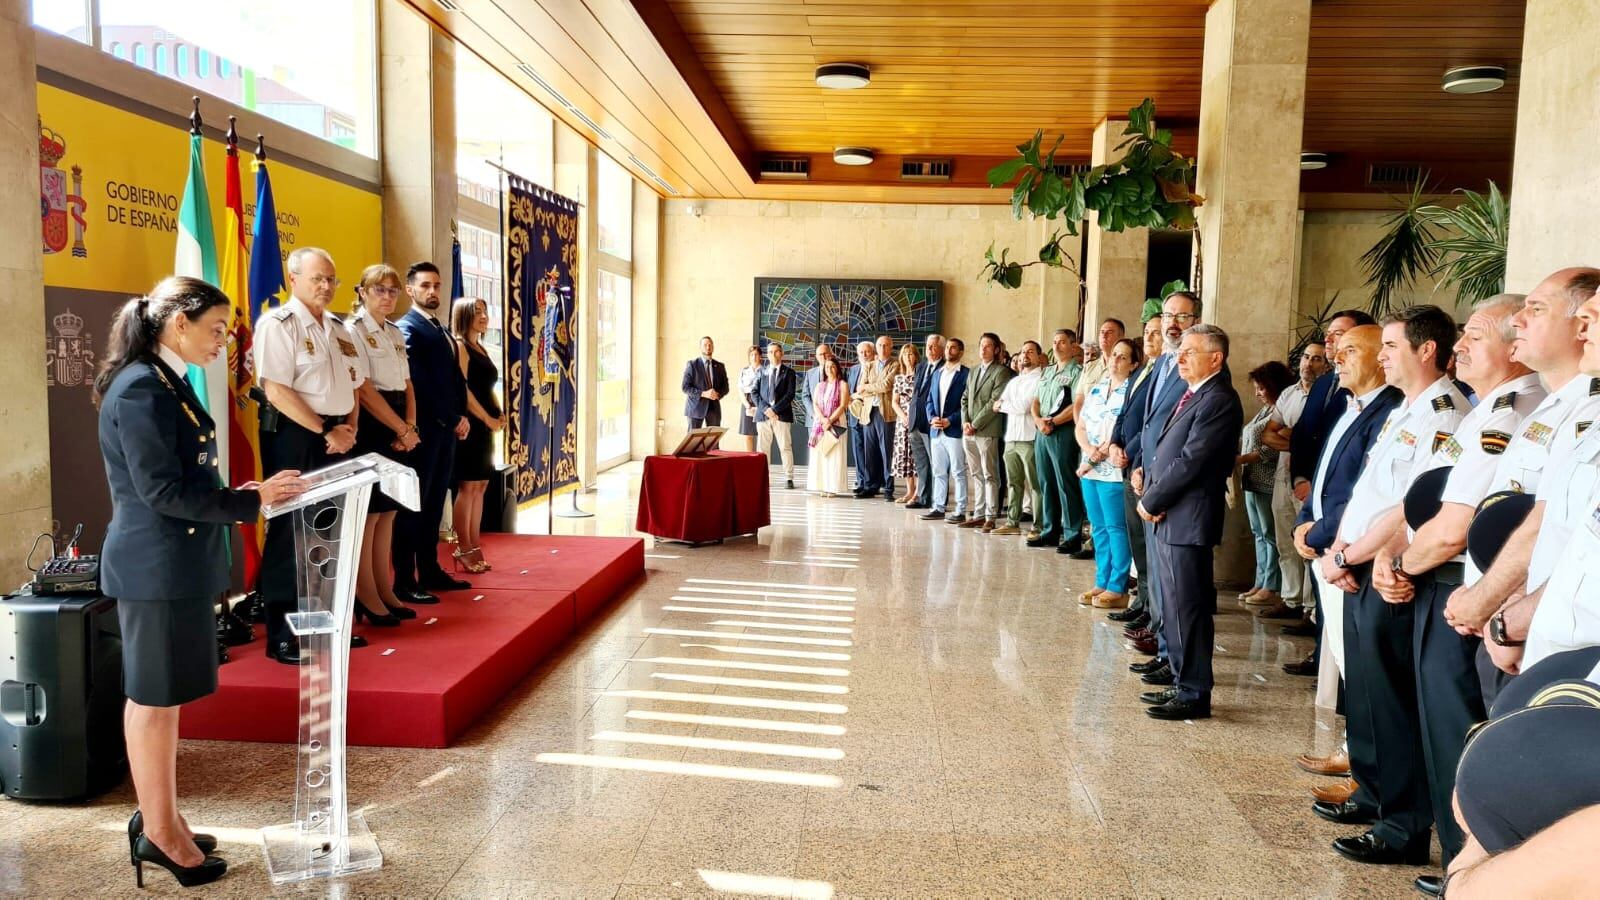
[[1151, 186]]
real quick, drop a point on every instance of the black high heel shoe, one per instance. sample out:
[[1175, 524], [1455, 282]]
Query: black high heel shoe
[[401, 612], [145, 851], [384, 620], [206, 842]]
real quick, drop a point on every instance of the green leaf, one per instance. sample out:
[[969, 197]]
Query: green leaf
[[1164, 137], [1014, 276], [1006, 171], [1030, 150]]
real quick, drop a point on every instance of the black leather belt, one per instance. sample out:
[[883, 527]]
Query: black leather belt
[[1449, 573]]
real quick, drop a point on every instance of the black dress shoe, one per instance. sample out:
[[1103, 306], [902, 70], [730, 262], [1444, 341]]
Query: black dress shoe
[[1071, 545], [206, 842], [1125, 615], [1282, 612], [1043, 540], [1347, 813], [1369, 848], [357, 640], [916, 504], [1161, 676], [442, 582], [1085, 553], [789, 484], [1137, 623], [1178, 710], [1301, 628], [933, 516], [402, 612], [415, 597], [1156, 698], [286, 652], [250, 608], [1149, 665], [1429, 885], [1307, 667]]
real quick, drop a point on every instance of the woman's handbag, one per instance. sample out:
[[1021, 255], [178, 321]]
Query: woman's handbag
[[829, 440]]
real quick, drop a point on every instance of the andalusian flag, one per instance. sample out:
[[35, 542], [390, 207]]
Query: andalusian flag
[[240, 453], [196, 253]]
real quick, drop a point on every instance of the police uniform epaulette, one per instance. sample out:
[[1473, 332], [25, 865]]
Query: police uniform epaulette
[[1584, 426], [280, 313], [1505, 401], [1594, 387], [1443, 403]]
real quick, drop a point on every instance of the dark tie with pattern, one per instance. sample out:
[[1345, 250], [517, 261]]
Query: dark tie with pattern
[[1182, 402]]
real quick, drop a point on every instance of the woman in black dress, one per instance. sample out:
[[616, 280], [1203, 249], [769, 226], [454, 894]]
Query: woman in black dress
[[164, 557], [388, 428], [469, 321]]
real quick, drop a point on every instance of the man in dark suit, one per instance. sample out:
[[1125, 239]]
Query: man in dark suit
[[705, 383], [775, 410], [1189, 464], [441, 422], [921, 446], [1125, 434]]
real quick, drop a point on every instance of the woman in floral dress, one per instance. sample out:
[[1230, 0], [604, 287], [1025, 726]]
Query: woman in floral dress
[[902, 466]]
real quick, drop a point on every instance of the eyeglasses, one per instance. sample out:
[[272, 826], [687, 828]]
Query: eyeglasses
[[1180, 318], [379, 291], [1190, 352], [322, 281]]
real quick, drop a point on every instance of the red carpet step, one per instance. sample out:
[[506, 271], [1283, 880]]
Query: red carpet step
[[440, 677]]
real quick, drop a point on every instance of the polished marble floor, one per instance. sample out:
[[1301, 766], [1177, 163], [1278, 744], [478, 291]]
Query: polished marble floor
[[856, 703]]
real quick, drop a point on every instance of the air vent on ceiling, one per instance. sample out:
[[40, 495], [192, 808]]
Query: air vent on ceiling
[[450, 5], [669, 188], [791, 168], [925, 170], [549, 88], [1068, 169], [604, 134], [1394, 174], [649, 172]]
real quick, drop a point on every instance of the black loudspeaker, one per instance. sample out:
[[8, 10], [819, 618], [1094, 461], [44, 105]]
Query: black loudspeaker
[[61, 697], [500, 501]]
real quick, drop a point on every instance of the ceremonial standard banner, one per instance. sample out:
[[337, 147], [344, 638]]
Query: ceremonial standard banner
[[111, 188], [541, 358]]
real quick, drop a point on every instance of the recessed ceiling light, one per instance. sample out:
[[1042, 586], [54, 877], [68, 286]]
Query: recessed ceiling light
[[1474, 79], [843, 76], [1310, 161], [853, 156]]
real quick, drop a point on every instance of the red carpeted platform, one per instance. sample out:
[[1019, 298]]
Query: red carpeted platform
[[440, 677]]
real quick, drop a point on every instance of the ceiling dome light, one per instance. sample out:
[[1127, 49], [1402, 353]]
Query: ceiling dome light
[[853, 156], [1311, 161], [1474, 79], [843, 76]]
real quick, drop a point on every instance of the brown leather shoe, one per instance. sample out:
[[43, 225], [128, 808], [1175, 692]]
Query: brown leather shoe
[[1007, 529], [1142, 634], [1335, 793], [1108, 600], [1337, 765], [1148, 648], [1087, 597], [973, 522], [988, 526]]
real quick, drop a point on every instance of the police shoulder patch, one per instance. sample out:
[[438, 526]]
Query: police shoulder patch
[[1494, 442], [1443, 403], [1439, 439], [1504, 401]]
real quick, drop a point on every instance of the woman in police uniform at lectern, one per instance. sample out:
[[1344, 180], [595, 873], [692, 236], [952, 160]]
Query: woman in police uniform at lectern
[[165, 556]]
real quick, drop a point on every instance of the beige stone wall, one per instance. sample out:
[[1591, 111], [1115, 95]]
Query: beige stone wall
[[25, 466], [709, 263], [1556, 176], [1331, 245], [1115, 264]]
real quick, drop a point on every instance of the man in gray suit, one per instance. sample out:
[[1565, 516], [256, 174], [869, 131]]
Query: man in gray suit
[[982, 431]]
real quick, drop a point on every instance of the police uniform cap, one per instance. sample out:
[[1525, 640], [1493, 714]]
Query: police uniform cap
[[1498, 515], [1426, 496]]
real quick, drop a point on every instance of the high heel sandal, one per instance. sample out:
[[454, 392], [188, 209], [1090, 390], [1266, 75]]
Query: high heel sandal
[[145, 851], [481, 561], [206, 842], [382, 620], [463, 561]]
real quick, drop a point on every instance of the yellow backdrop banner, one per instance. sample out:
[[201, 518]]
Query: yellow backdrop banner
[[111, 183]]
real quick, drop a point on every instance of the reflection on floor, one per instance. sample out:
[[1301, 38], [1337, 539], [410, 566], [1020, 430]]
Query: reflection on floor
[[858, 703]]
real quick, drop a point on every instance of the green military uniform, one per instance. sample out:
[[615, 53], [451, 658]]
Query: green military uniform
[[1056, 456]]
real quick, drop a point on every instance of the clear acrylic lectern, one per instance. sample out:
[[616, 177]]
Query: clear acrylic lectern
[[326, 838]]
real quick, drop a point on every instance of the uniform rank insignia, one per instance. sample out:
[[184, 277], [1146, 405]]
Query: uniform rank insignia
[[348, 348], [352, 373], [1452, 448], [1407, 438], [1584, 426], [1439, 439], [1495, 442], [373, 342], [202, 457], [1443, 403], [310, 347], [1539, 433], [1594, 387], [1505, 401]]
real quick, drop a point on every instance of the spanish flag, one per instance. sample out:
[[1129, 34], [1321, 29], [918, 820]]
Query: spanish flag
[[242, 450]]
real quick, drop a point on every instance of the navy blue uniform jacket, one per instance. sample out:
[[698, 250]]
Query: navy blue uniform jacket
[[1188, 464], [170, 514], [1344, 467]]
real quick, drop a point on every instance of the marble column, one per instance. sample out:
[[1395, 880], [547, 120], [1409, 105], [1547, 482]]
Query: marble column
[[1116, 264], [25, 467], [417, 136], [1555, 178], [577, 174], [1252, 110]]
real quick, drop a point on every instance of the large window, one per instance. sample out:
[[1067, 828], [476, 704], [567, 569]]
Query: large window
[[309, 64], [615, 209], [614, 363]]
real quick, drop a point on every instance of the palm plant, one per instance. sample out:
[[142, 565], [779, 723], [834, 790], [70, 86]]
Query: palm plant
[[1473, 259], [1314, 326], [1405, 251]]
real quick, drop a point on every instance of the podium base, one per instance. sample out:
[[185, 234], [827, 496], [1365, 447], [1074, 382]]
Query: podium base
[[294, 854]]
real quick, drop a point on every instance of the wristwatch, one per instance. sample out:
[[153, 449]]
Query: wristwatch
[[1497, 631], [1397, 566], [1338, 559]]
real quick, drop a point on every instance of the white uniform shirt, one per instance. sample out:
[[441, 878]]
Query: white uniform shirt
[[1525, 461], [1569, 483], [1568, 616], [385, 350], [1412, 433], [1482, 438], [1016, 401], [318, 361]]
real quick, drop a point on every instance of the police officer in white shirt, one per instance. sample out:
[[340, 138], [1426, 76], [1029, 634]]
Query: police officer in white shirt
[[1430, 565], [1549, 341], [309, 367], [1562, 608], [1380, 688]]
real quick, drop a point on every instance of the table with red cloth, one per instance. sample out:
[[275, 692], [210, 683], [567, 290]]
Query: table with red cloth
[[699, 499]]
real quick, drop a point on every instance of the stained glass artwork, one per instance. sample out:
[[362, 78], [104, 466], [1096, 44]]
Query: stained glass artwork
[[789, 305], [835, 311], [794, 343], [908, 308]]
